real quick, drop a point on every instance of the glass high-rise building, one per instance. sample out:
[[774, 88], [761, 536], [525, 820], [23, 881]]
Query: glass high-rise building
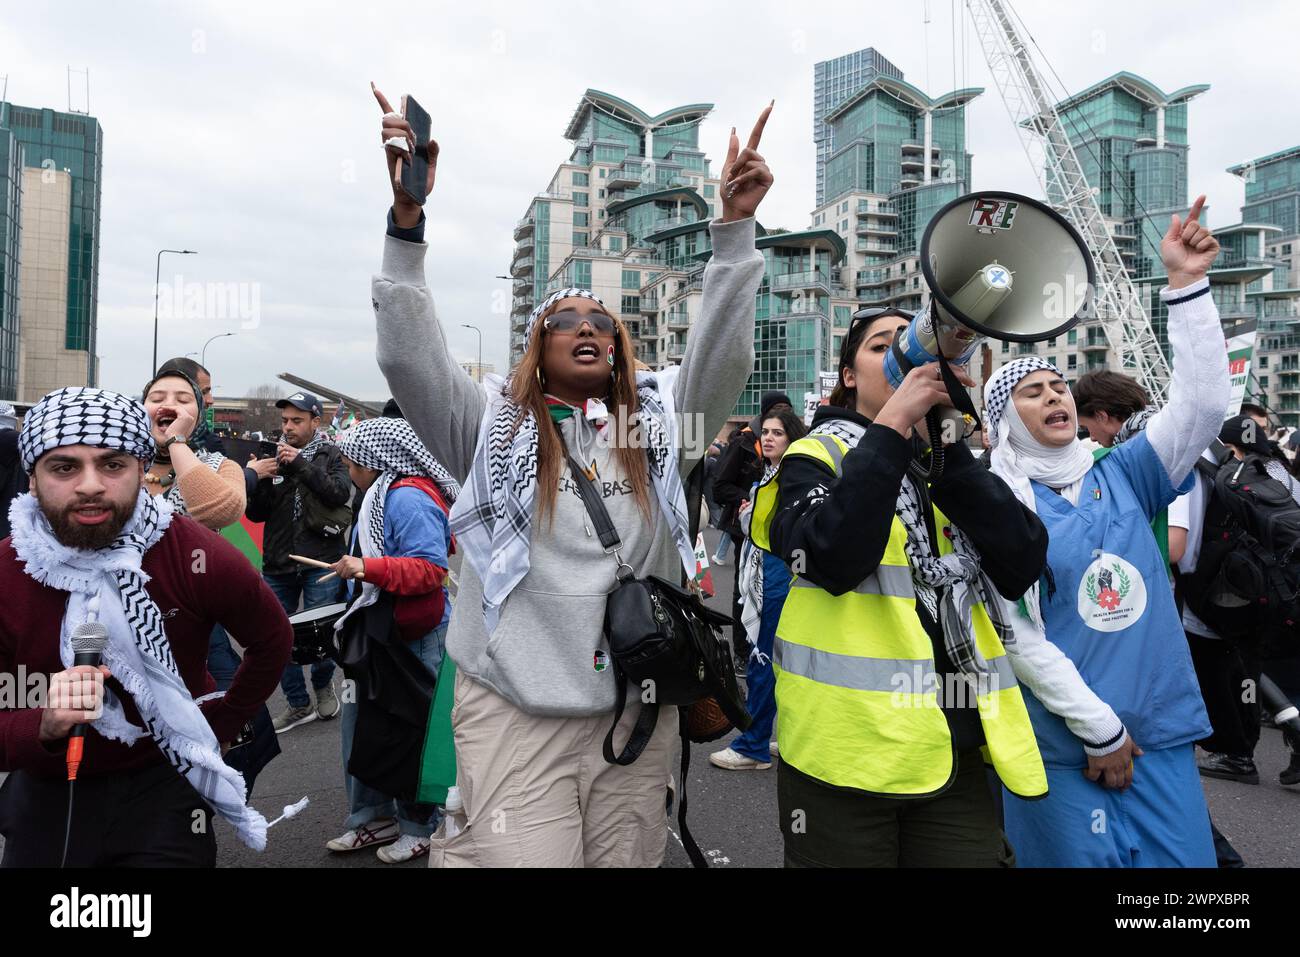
[[1273, 191], [1131, 140], [834, 81], [1269, 236], [627, 216], [11, 196], [899, 155], [630, 176], [63, 163]]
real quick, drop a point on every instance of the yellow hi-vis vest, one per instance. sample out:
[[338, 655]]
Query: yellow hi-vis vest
[[856, 687]]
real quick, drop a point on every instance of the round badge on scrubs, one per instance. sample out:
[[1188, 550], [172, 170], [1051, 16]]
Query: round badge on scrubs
[[1112, 594]]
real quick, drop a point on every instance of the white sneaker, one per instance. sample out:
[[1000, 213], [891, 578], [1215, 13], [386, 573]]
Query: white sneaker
[[368, 835], [772, 749], [729, 760], [405, 848], [716, 560]]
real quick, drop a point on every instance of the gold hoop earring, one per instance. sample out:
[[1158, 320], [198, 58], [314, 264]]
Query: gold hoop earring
[[538, 373]]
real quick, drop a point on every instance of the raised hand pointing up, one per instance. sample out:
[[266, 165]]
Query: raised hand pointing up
[[745, 176], [1188, 248], [406, 212]]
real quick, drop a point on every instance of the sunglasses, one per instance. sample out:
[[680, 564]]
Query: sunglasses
[[866, 316], [569, 321]]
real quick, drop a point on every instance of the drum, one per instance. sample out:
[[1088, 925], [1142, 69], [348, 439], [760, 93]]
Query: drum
[[313, 633]]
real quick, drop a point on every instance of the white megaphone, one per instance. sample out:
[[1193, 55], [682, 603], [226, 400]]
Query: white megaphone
[[999, 265]]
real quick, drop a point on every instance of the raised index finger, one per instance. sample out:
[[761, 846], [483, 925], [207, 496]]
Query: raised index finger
[[383, 101], [1195, 213], [757, 133]]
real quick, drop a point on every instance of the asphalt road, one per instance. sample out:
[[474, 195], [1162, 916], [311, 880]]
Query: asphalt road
[[733, 814]]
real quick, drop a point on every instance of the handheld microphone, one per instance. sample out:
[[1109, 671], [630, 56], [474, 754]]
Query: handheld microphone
[[89, 640]]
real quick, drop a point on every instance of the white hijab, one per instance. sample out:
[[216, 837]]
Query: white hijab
[[1018, 458]]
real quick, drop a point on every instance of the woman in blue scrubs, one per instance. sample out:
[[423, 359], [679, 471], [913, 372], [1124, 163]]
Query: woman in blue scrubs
[[1098, 644]]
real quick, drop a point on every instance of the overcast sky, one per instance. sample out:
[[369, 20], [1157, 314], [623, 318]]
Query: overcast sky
[[247, 131]]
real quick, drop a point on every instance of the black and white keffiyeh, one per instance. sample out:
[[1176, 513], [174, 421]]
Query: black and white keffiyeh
[[173, 494], [949, 586], [1134, 424], [390, 447], [108, 585], [308, 452], [493, 516], [82, 416], [749, 567]]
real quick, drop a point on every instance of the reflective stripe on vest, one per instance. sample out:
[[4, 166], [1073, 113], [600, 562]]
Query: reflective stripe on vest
[[857, 690], [878, 674], [892, 580]]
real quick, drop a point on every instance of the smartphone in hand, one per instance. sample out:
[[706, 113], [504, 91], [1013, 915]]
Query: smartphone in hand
[[415, 171]]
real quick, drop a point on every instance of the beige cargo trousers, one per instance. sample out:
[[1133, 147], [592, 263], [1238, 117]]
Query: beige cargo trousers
[[538, 792]]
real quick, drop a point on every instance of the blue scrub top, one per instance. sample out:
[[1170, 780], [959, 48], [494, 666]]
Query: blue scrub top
[[1112, 609], [414, 527]]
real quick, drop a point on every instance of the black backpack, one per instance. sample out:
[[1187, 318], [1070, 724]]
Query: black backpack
[[1247, 580]]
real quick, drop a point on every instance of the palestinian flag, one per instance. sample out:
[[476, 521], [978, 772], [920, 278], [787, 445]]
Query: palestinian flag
[[247, 537]]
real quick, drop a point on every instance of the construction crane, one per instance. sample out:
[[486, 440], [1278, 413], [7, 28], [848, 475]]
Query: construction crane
[[1117, 304]]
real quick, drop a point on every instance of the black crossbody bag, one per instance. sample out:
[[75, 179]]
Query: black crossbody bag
[[663, 639]]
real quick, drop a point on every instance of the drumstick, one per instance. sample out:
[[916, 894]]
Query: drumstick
[[325, 578], [311, 561]]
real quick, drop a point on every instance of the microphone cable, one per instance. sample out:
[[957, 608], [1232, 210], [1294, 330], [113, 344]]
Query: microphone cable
[[67, 831]]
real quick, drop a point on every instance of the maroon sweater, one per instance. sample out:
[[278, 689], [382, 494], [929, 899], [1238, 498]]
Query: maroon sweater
[[198, 580]]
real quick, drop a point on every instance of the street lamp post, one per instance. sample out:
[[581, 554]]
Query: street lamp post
[[479, 377], [203, 361], [157, 274]]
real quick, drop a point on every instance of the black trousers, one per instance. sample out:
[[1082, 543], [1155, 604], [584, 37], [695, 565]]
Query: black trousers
[[836, 827], [1228, 674], [147, 818]]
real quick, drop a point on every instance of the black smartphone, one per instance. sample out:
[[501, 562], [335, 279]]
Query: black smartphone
[[415, 172], [266, 450]]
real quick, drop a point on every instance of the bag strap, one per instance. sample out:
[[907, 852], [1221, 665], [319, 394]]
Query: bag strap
[[641, 731], [609, 540], [605, 529], [688, 842]]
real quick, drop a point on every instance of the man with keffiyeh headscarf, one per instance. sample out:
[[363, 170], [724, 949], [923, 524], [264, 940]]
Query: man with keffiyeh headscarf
[[1098, 643], [90, 545], [400, 544]]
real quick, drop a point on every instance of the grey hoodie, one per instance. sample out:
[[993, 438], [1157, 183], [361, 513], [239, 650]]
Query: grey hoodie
[[543, 654]]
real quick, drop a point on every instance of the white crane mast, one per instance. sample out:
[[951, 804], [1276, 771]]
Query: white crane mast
[[1117, 304]]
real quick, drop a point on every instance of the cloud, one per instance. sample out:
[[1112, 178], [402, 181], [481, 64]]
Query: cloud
[[247, 131]]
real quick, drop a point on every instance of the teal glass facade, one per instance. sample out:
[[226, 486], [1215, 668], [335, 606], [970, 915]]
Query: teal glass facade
[[1273, 190], [72, 142], [916, 207], [870, 138], [11, 194], [1131, 141], [834, 81]]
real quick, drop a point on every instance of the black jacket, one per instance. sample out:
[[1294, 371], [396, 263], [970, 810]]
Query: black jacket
[[13, 480], [839, 527], [326, 477], [739, 466]]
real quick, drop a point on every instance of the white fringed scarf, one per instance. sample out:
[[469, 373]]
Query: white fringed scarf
[[108, 585]]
